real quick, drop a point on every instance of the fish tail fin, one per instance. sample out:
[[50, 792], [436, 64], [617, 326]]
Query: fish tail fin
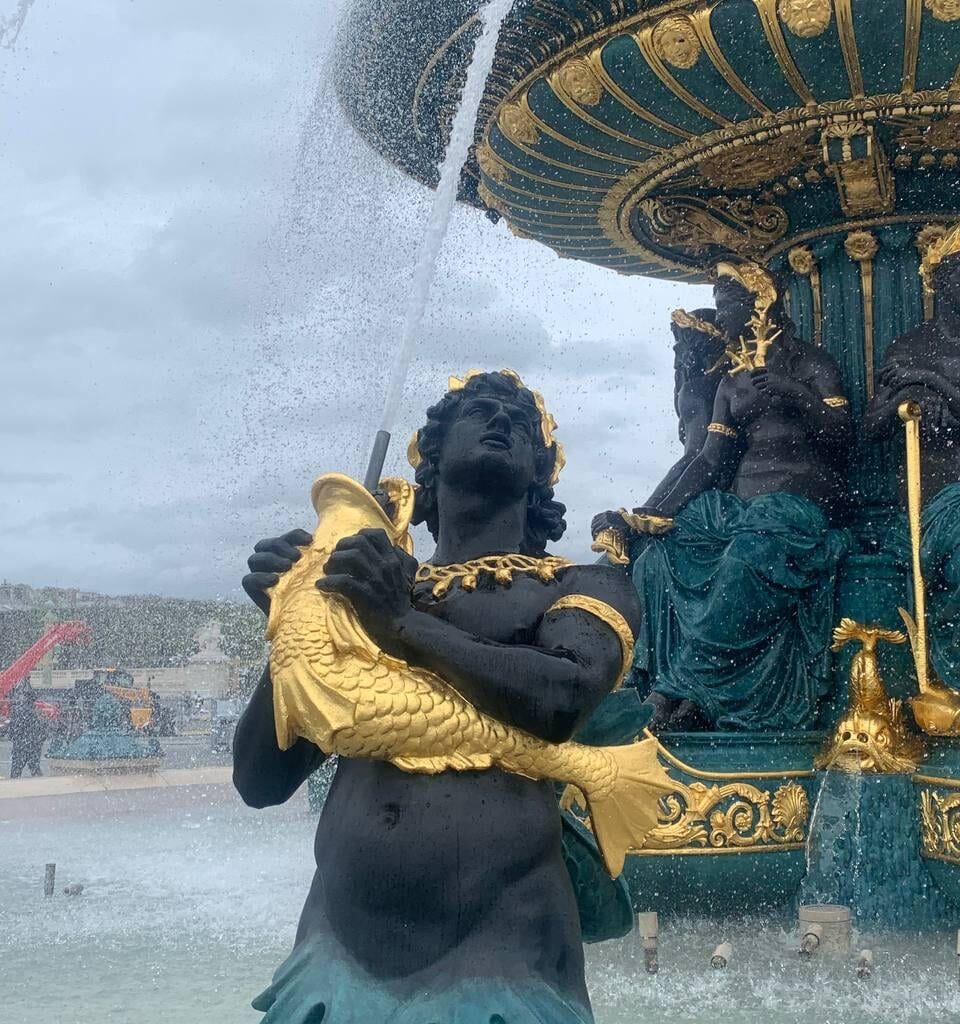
[[623, 815]]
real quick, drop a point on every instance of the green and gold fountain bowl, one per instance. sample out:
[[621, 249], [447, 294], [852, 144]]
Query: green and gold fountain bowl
[[654, 138]]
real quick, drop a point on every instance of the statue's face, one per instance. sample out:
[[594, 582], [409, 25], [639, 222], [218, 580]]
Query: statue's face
[[490, 446], [946, 279], [734, 307]]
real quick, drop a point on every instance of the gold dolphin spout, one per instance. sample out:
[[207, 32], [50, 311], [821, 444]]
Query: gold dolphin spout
[[333, 686]]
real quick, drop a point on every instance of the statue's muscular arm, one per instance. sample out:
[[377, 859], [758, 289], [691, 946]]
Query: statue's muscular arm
[[546, 687], [714, 462], [263, 774]]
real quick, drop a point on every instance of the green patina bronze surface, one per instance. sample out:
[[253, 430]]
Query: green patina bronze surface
[[738, 598], [825, 151]]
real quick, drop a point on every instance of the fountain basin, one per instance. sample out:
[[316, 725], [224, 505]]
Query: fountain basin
[[733, 834]]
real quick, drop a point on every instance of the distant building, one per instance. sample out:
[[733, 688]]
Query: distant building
[[208, 674]]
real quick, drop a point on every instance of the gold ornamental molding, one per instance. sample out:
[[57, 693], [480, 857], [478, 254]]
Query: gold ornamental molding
[[929, 235], [943, 10], [803, 262], [726, 813], [940, 823], [731, 818], [656, 175], [862, 247]]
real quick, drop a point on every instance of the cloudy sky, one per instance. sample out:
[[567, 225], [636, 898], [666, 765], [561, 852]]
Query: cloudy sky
[[203, 272]]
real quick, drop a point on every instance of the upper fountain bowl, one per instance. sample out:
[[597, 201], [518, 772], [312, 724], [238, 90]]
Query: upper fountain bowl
[[658, 137]]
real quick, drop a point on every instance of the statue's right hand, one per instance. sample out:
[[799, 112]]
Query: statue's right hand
[[607, 521], [270, 559]]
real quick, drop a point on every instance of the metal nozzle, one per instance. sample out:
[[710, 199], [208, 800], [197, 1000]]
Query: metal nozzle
[[865, 964], [811, 940], [721, 956]]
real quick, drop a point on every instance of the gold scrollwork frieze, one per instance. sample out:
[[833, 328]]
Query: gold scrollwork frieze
[[940, 825], [725, 818]]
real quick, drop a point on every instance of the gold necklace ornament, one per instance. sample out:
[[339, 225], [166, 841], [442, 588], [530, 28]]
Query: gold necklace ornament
[[547, 423], [501, 567]]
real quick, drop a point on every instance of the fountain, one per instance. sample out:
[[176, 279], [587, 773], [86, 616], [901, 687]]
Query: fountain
[[818, 141]]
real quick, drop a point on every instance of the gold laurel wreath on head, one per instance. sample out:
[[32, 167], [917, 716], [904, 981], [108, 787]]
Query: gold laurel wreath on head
[[936, 253], [547, 422], [687, 321]]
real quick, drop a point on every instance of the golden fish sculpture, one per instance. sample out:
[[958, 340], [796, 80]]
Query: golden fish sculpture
[[333, 686]]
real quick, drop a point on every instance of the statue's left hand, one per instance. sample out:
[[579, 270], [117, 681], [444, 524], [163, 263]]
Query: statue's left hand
[[376, 578]]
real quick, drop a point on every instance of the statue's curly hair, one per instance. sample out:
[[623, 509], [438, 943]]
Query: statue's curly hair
[[711, 346], [545, 520]]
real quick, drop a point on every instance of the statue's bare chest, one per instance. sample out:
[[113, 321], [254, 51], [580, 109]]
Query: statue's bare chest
[[501, 614]]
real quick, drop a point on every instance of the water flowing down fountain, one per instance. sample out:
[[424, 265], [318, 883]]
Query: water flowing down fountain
[[818, 143]]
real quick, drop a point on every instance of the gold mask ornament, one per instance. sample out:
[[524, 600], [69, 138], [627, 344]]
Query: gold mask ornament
[[752, 354], [547, 423], [936, 253]]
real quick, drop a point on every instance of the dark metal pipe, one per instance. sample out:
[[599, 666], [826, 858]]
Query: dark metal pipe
[[377, 458]]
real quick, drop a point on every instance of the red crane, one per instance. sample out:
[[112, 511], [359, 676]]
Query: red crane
[[61, 633]]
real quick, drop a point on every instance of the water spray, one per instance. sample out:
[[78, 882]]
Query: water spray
[[722, 955], [649, 926], [492, 17]]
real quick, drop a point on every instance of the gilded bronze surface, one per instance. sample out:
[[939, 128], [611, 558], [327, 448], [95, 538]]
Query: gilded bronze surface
[[940, 825], [722, 818], [333, 686], [872, 736], [501, 568], [805, 18], [937, 708]]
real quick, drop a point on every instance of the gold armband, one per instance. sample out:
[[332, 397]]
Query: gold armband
[[836, 401], [609, 616], [721, 428]]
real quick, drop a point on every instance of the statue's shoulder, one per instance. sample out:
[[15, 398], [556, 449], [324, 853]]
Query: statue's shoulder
[[918, 341], [606, 583]]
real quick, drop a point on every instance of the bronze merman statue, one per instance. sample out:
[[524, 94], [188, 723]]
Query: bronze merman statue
[[738, 597], [440, 889], [921, 371]]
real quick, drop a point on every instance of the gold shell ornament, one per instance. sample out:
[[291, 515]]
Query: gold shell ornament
[[580, 82]]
